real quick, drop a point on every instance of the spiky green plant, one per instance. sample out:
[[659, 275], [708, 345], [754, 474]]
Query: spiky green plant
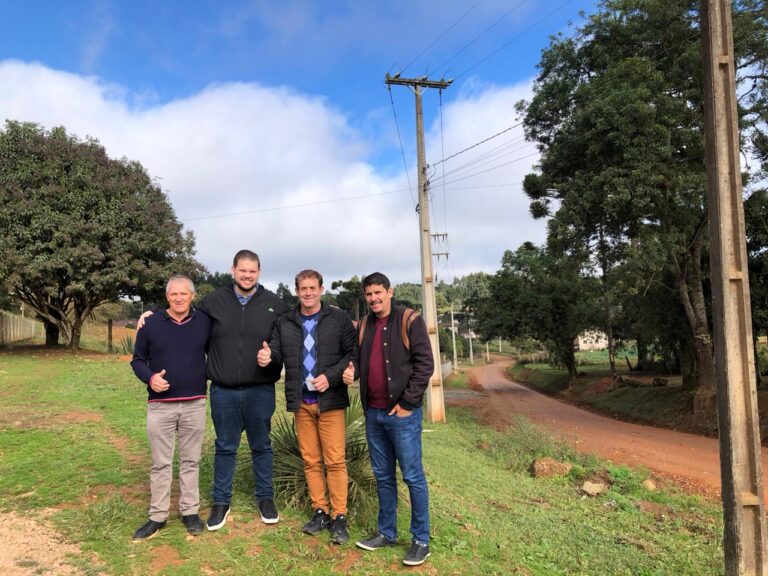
[[290, 484], [126, 345]]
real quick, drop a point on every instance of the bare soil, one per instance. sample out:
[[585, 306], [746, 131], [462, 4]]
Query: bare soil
[[689, 460]]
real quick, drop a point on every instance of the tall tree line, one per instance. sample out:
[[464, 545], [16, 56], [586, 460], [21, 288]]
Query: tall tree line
[[617, 115]]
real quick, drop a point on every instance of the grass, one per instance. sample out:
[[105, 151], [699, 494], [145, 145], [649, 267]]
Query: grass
[[72, 439]]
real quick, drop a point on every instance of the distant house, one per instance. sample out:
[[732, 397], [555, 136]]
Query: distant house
[[590, 340]]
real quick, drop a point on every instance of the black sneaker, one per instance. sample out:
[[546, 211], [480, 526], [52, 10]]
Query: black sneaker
[[416, 554], [193, 523], [376, 541], [148, 530], [268, 511], [317, 523], [339, 534], [218, 516]]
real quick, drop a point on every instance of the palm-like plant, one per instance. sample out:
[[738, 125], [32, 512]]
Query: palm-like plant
[[290, 484]]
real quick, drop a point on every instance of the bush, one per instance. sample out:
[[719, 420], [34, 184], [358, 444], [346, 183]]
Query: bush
[[290, 484]]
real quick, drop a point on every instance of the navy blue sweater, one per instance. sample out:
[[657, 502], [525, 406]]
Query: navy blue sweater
[[179, 348]]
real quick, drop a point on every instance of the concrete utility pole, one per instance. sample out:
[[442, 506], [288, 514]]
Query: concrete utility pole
[[435, 402], [453, 339], [744, 539]]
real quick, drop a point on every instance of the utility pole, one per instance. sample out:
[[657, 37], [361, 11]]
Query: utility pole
[[453, 339], [435, 402], [744, 538]]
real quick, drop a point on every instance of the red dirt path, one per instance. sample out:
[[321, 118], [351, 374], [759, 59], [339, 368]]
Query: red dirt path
[[687, 459]]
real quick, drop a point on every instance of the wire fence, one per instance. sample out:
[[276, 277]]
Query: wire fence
[[14, 328]]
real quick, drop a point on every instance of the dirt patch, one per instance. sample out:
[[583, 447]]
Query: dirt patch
[[164, 556], [31, 547], [79, 417]]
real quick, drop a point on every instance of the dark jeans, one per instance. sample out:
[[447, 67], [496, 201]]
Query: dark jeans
[[233, 410], [393, 439]]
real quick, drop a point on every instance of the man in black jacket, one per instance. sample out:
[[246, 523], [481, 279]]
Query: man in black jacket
[[315, 341], [242, 392], [395, 364]]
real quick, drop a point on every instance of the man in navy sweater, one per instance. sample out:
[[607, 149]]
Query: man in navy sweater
[[169, 357]]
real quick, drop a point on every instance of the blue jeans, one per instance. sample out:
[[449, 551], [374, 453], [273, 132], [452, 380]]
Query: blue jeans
[[233, 410], [391, 439]]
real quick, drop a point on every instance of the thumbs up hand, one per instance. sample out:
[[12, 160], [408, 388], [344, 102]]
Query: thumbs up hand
[[264, 357], [158, 383], [348, 376]]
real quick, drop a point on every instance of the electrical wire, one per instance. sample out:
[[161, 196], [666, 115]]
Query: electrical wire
[[476, 38], [440, 37], [468, 148], [402, 150], [560, 7]]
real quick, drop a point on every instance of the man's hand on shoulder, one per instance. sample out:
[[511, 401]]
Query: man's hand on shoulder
[[143, 319]]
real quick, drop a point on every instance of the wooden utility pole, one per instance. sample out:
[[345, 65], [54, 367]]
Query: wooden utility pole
[[435, 402], [744, 540]]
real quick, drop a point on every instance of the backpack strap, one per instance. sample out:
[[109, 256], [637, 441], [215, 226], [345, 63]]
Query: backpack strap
[[361, 330], [408, 317]]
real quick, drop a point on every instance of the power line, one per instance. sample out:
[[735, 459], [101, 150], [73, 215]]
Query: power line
[[476, 38], [476, 144], [506, 150], [305, 204], [451, 27], [513, 39], [402, 150], [491, 169]]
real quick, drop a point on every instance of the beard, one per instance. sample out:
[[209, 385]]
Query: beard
[[245, 291]]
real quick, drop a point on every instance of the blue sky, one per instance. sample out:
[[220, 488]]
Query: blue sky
[[269, 126]]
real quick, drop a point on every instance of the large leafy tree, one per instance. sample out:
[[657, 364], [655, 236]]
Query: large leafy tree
[[79, 229], [617, 116], [541, 295]]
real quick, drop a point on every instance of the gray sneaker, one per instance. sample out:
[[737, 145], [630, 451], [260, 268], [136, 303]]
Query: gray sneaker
[[376, 541], [339, 533], [417, 553], [319, 522]]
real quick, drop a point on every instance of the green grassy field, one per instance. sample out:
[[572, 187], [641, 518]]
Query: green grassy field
[[73, 449]]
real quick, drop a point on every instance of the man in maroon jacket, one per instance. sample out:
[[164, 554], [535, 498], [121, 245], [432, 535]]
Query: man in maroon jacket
[[394, 374]]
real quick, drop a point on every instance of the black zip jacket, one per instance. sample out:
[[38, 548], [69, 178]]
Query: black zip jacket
[[336, 342], [237, 334], [408, 371]]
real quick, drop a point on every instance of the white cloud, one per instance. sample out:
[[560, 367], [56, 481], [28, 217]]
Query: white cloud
[[247, 150]]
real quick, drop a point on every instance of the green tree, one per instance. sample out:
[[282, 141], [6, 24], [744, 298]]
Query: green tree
[[617, 116], [78, 229], [350, 296], [285, 294], [409, 294], [540, 295]]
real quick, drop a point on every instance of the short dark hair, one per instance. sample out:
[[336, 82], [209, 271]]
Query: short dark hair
[[309, 273], [376, 278], [246, 255]]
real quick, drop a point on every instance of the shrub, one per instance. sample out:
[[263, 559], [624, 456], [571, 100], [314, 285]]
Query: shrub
[[126, 345], [290, 484]]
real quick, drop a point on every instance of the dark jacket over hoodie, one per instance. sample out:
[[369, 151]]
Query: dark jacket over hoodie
[[237, 334], [408, 371], [336, 342]]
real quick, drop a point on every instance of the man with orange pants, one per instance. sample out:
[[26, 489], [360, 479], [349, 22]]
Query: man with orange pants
[[316, 341]]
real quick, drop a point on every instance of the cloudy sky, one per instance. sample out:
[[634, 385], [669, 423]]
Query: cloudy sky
[[269, 126]]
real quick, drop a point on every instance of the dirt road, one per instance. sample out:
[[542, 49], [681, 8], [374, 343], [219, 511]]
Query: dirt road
[[690, 460]]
